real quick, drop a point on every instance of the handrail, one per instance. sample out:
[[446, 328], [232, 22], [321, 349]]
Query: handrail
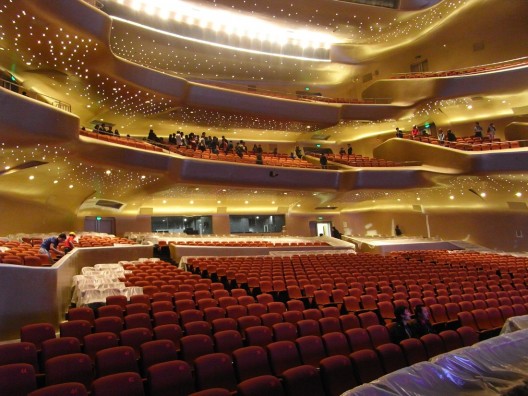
[[467, 70], [35, 95]]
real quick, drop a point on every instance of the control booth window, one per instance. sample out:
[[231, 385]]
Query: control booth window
[[190, 225], [262, 224]]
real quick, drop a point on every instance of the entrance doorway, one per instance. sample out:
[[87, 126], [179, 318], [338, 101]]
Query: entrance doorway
[[323, 228]]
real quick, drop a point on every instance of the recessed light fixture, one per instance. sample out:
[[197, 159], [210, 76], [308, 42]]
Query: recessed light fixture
[[483, 194], [518, 194]]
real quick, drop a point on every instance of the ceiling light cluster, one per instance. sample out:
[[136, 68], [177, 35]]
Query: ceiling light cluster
[[226, 29]]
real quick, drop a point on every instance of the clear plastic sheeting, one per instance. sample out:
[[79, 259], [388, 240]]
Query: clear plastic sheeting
[[490, 367], [515, 323]]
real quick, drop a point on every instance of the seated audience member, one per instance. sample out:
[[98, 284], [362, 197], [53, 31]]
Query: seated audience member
[[399, 133], [403, 328], [451, 136], [342, 151], [51, 245], [292, 156], [349, 149], [259, 160], [422, 324], [397, 230]]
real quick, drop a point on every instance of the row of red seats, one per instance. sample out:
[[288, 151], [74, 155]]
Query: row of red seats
[[368, 361]]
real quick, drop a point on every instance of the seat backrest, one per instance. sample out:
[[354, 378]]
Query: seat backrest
[[302, 380], [162, 381], [379, 335], [414, 351], [227, 341], [215, 371], [251, 361], [263, 385], [194, 346], [19, 352], [451, 340], [115, 360], [337, 374], [17, 379], [76, 367], [336, 344], [367, 365], [391, 357], [59, 346], [36, 333], [66, 389], [433, 345], [282, 356], [359, 339], [129, 384]]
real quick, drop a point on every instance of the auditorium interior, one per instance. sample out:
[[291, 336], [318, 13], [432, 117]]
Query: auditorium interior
[[300, 80]]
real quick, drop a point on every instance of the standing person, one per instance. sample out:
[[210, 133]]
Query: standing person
[[422, 323], [441, 136], [397, 230], [402, 330], [51, 245], [342, 152], [298, 152], [259, 160], [491, 131], [349, 149], [451, 137], [69, 243], [323, 161], [415, 131], [478, 130], [335, 233]]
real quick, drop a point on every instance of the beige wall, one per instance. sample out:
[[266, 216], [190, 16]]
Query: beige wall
[[20, 216]]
